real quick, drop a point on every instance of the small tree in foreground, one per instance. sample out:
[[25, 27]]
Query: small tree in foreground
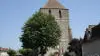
[[11, 52], [26, 52], [40, 32], [66, 54], [76, 46]]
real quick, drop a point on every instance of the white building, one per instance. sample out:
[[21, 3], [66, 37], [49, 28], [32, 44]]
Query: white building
[[4, 54]]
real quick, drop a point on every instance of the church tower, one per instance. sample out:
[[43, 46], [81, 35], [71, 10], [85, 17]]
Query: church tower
[[61, 15]]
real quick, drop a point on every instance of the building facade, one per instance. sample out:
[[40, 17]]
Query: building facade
[[61, 15], [91, 48], [91, 44]]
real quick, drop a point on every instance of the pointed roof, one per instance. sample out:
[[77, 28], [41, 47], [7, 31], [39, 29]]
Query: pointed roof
[[53, 4]]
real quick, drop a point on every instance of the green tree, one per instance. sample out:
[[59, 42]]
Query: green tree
[[11, 52], [76, 46], [26, 52], [67, 54], [40, 32]]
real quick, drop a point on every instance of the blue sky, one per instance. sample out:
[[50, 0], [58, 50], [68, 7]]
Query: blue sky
[[14, 13]]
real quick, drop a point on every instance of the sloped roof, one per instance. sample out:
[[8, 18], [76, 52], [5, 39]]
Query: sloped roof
[[96, 31], [53, 4], [95, 34]]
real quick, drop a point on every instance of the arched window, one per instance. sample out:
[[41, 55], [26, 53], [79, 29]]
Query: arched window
[[60, 15], [49, 11]]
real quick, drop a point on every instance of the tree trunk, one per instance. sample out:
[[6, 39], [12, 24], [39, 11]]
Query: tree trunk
[[42, 50]]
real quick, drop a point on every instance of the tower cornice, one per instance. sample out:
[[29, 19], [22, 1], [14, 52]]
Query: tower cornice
[[55, 8]]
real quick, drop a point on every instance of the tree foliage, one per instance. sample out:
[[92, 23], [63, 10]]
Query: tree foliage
[[26, 52], [11, 52], [66, 54], [40, 32], [76, 46]]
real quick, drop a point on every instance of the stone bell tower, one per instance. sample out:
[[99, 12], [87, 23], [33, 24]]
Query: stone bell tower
[[61, 15]]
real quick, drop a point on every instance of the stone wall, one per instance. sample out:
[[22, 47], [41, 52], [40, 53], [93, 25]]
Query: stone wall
[[63, 21], [91, 48]]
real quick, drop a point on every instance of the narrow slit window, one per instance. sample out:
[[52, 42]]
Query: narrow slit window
[[49, 11], [60, 15]]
